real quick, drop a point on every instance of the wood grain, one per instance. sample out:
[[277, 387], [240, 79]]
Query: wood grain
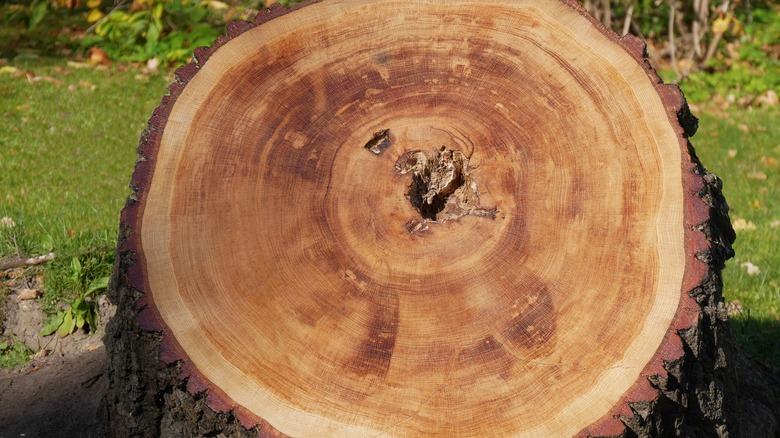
[[276, 249]]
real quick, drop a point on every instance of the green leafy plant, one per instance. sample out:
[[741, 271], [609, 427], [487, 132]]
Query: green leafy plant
[[88, 273], [13, 353], [745, 68], [30, 15], [38, 10], [33, 28], [168, 30], [82, 313]]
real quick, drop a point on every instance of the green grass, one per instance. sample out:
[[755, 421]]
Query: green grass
[[67, 151], [13, 353], [743, 148]]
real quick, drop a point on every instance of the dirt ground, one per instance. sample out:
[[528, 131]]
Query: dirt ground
[[58, 393]]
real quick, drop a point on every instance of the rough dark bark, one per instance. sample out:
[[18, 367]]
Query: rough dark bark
[[714, 389], [146, 397]]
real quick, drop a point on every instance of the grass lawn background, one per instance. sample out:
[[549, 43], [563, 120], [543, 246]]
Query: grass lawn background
[[743, 148], [70, 134], [68, 145]]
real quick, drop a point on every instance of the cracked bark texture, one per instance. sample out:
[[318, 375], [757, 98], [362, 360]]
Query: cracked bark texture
[[460, 86], [148, 398], [715, 389]]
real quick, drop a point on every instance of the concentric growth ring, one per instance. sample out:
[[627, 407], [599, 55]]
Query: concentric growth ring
[[278, 246]]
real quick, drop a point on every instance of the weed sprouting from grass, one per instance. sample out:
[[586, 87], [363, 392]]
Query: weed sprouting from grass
[[78, 283], [13, 353]]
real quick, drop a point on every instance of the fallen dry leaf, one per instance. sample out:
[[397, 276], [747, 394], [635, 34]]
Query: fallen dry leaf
[[8, 69], [136, 6], [743, 127], [41, 353], [745, 102], [50, 79], [734, 308], [215, 5], [769, 161], [95, 15], [775, 223], [88, 85], [732, 153], [152, 65], [769, 98], [75, 64], [750, 268], [15, 273], [28, 294], [33, 77], [759, 175], [98, 56], [740, 224], [7, 222]]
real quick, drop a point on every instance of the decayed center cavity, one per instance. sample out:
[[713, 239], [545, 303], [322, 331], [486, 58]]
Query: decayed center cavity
[[442, 188]]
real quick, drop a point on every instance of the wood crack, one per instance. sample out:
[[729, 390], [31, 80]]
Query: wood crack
[[442, 187]]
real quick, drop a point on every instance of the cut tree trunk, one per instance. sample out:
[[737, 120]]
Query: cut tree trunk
[[417, 218]]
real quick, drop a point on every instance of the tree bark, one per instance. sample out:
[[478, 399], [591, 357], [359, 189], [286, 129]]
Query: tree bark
[[413, 218]]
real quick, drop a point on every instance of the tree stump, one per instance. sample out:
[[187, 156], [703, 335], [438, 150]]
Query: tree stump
[[415, 218]]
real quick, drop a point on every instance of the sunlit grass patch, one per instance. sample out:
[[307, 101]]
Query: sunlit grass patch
[[69, 144], [743, 148]]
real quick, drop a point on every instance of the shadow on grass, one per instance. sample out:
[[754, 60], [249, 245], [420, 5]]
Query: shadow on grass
[[760, 338]]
